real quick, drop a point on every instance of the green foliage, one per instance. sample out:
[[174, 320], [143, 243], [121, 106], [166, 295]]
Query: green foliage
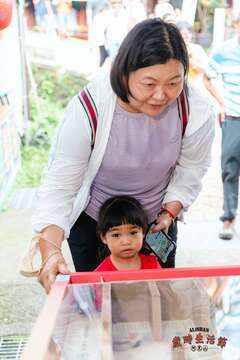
[[56, 87], [205, 11], [44, 117], [34, 159], [54, 90], [212, 4]]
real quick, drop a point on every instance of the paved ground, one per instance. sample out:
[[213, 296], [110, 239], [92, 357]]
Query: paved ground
[[21, 298]]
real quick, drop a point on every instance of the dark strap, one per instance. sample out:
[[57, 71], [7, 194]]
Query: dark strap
[[183, 109], [91, 111]]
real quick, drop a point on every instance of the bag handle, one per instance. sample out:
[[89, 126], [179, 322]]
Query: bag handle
[[89, 106], [183, 108]]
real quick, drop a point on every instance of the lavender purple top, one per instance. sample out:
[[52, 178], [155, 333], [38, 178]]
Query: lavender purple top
[[139, 159]]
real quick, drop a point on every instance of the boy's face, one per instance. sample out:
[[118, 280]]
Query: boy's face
[[124, 241]]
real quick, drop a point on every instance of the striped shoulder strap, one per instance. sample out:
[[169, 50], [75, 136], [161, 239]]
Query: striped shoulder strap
[[183, 109], [91, 111]]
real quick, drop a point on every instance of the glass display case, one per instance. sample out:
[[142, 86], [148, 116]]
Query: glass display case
[[168, 313]]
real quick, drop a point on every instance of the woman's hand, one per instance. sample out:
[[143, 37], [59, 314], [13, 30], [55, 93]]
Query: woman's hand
[[163, 222], [53, 265], [53, 262], [167, 215]]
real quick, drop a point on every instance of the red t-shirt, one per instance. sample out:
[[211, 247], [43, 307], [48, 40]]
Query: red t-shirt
[[147, 262]]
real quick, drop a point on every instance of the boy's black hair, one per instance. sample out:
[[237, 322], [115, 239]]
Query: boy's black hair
[[150, 42], [119, 210]]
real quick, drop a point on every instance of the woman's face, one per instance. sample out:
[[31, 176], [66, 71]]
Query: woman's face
[[153, 88]]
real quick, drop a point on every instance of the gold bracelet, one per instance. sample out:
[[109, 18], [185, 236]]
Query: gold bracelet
[[46, 260], [40, 237]]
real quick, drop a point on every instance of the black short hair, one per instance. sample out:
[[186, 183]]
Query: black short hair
[[119, 210], [150, 42]]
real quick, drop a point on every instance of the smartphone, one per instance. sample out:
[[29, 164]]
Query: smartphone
[[160, 243]]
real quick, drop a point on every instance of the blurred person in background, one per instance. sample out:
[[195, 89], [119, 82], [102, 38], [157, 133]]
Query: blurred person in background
[[162, 8], [64, 9], [225, 63], [41, 13], [171, 18], [198, 58], [136, 11], [106, 33], [95, 7], [124, 16], [117, 27], [96, 31], [45, 16]]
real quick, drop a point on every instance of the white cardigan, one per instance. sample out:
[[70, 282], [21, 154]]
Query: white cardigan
[[65, 189]]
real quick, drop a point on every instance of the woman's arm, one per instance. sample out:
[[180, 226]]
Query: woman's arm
[[61, 182], [186, 180], [64, 173], [192, 164]]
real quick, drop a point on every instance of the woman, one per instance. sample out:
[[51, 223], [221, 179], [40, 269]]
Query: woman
[[139, 149]]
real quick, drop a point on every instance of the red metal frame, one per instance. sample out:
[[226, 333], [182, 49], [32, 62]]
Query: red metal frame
[[36, 348], [112, 276]]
